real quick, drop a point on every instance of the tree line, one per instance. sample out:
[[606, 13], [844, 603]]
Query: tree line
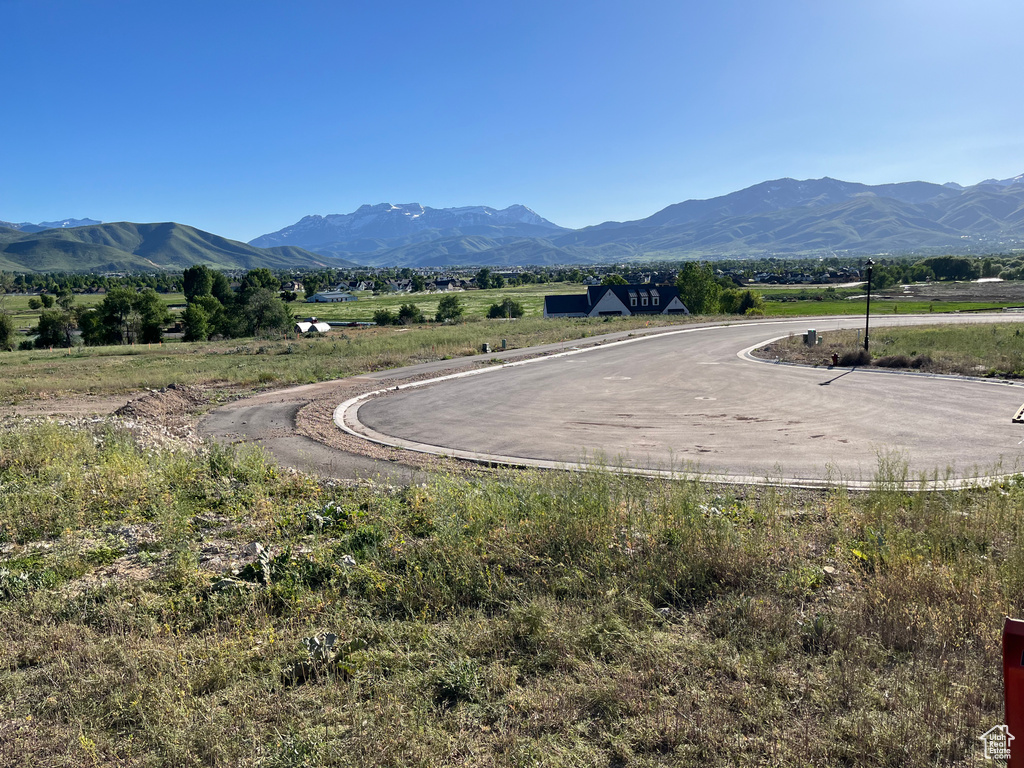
[[133, 315], [449, 310]]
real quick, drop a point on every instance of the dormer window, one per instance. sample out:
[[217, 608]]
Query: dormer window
[[654, 296], [632, 298], [643, 300]]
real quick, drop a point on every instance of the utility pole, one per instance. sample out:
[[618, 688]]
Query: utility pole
[[867, 311]]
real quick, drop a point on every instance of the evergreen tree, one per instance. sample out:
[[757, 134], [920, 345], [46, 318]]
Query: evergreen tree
[[196, 322], [449, 308], [410, 313]]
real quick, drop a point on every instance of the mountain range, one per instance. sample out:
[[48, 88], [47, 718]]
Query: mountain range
[[784, 217], [124, 246], [44, 225]]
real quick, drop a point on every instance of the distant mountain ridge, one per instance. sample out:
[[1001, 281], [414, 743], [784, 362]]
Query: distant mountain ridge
[[790, 217], [372, 228], [781, 217], [124, 246], [44, 225]]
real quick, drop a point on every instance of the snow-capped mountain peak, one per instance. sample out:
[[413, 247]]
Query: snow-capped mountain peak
[[1004, 182], [26, 226], [410, 222]]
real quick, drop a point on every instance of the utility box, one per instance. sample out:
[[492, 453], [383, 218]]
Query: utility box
[[1013, 688], [811, 338], [485, 348], [504, 342]]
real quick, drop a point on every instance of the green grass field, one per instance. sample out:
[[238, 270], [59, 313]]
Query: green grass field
[[476, 303], [857, 307]]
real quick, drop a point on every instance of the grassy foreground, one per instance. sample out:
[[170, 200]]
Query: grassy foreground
[[522, 619]]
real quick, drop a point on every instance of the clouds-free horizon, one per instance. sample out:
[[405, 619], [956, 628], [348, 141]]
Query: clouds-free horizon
[[240, 118]]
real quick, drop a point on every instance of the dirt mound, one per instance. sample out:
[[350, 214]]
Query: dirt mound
[[164, 417], [164, 405]]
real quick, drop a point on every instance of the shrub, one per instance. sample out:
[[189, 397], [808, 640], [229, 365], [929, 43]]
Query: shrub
[[921, 361], [385, 317], [507, 308], [856, 357], [893, 361]]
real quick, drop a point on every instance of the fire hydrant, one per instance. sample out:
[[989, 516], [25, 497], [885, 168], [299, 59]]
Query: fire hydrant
[[835, 359]]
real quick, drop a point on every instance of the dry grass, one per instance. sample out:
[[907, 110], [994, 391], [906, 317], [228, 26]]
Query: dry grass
[[553, 619], [972, 350]]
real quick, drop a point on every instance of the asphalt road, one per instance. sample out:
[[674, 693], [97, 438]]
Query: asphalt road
[[691, 401]]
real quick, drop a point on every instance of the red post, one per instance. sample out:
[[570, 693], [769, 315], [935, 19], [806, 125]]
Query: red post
[[1013, 687]]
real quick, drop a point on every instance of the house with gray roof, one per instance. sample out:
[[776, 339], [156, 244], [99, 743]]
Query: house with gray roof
[[331, 296], [617, 300]]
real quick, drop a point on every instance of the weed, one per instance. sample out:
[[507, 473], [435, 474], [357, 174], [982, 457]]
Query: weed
[[455, 680]]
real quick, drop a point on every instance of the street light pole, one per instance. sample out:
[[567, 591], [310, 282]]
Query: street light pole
[[867, 310]]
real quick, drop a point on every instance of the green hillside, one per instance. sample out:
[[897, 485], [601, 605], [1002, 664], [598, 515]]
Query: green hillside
[[124, 246]]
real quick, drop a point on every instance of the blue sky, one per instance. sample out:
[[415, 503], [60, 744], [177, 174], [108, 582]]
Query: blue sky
[[242, 117]]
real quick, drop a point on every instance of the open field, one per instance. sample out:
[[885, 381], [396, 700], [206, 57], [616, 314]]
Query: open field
[[990, 350], [553, 619], [913, 299], [476, 302], [878, 306], [1008, 291], [945, 297], [936, 297]]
